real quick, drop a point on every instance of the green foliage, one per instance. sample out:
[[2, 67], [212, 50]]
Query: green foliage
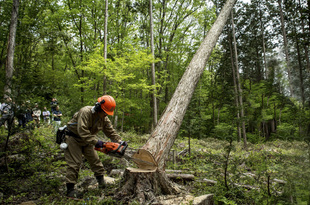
[[223, 131]]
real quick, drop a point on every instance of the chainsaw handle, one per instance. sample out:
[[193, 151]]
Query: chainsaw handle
[[122, 152]]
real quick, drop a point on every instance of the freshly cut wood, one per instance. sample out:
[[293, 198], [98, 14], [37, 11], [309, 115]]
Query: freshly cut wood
[[144, 160]]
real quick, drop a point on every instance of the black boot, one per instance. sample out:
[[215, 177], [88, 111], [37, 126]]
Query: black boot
[[100, 180], [71, 192]]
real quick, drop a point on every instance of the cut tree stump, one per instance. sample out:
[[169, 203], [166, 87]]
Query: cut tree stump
[[145, 185]]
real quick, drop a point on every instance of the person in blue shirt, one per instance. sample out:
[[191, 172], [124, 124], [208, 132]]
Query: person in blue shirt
[[57, 114], [53, 104], [46, 116]]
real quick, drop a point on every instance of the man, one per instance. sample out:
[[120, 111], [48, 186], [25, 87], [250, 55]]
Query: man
[[81, 140], [53, 104], [21, 115], [28, 112], [57, 118], [7, 112], [46, 116], [36, 113]]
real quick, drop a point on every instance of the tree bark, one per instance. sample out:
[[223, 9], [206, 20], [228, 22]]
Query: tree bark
[[153, 66], [264, 45], [236, 90], [238, 83], [286, 49], [305, 39], [164, 134], [11, 49], [301, 77], [105, 44]]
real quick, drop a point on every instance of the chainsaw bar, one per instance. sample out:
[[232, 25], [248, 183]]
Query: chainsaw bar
[[138, 161], [143, 159]]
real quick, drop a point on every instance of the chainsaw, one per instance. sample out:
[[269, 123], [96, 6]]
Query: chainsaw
[[113, 149], [142, 158]]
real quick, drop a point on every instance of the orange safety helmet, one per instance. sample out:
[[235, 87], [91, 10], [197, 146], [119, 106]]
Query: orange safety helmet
[[107, 104]]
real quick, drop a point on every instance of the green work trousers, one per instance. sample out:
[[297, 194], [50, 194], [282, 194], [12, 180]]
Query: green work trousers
[[73, 157]]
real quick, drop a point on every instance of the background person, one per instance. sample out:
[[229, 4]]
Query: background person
[[36, 113], [57, 114], [53, 104], [46, 116], [7, 112], [21, 115]]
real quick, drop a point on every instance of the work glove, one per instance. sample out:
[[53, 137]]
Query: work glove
[[99, 144], [124, 143]]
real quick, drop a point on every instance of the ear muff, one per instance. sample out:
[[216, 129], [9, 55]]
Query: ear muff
[[98, 105]]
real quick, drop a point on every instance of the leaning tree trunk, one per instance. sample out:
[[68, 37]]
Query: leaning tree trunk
[[11, 49], [164, 134]]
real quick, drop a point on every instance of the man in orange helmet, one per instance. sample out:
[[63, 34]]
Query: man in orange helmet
[[81, 139]]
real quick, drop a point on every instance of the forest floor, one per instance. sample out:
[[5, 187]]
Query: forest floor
[[274, 172]]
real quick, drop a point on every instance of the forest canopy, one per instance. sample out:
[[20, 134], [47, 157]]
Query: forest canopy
[[59, 52]]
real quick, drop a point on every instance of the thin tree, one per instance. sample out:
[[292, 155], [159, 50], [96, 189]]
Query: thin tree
[[238, 83], [235, 89], [305, 39], [300, 66], [106, 14], [153, 66], [263, 41], [289, 75], [11, 49]]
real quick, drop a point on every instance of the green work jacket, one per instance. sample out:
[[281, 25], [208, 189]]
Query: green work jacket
[[86, 125]]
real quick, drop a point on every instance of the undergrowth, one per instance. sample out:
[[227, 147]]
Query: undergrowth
[[276, 172]]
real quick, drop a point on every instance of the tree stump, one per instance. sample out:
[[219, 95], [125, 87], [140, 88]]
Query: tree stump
[[145, 185]]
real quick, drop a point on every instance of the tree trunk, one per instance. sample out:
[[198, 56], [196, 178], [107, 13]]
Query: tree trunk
[[81, 50], [301, 77], [146, 183], [238, 83], [264, 45], [163, 136], [236, 91], [105, 44], [11, 49], [289, 75], [305, 39], [153, 66]]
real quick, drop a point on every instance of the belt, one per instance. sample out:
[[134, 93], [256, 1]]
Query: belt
[[72, 134]]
